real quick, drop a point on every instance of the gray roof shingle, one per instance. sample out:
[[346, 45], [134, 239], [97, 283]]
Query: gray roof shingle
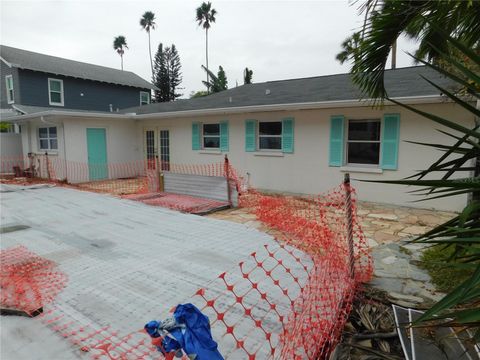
[[24, 59], [402, 82]]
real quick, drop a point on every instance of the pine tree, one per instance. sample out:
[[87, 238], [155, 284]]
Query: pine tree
[[167, 73], [222, 79], [174, 72]]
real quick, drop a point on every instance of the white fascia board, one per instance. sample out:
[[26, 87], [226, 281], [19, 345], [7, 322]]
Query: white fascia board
[[6, 62], [411, 100], [54, 113]]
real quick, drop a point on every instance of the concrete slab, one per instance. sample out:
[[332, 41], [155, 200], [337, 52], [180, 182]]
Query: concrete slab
[[127, 262]]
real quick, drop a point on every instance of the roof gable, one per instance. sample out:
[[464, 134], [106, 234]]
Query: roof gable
[[24, 59]]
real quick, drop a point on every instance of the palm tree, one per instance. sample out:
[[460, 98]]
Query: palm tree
[[386, 20], [349, 48], [449, 42], [206, 16], [120, 44], [147, 22]]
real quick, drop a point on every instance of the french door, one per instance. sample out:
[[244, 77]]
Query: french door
[[157, 145]]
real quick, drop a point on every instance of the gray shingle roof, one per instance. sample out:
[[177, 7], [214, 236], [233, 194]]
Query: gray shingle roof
[[401, 82], [24, 59]]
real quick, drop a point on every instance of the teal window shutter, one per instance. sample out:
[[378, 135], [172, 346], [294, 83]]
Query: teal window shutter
[[390, 140], [195, 136], [224, 136], [250, 132], [336, 140], [287, 135]]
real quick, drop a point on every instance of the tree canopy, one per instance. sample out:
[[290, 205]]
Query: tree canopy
[[167, 73], [247, 76], [217, 82], [386, 20]]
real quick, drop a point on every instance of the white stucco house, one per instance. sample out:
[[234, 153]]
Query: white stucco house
[[296, 136]]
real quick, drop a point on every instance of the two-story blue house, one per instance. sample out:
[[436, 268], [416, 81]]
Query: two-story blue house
[[31, 80]]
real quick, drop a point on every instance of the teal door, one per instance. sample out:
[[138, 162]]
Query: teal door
[[97, 154]]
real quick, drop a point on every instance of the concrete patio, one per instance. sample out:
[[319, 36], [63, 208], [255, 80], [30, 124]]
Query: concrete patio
[[127, 263]]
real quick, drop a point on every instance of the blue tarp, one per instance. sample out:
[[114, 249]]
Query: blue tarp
[[191, 332]]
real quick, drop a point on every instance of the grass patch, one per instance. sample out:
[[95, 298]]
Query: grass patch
[[445, 275]]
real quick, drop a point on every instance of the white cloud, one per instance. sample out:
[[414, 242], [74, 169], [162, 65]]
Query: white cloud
[[277, 39]]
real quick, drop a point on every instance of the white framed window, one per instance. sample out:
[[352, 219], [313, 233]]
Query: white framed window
[[10, 91], [211, 136], [270, 135], [363, 142], [47, 138], [144, 98], [55, 92]]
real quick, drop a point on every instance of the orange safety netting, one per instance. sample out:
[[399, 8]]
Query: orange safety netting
[[27, 281], [322, 235], [287, 302], [122, 178]]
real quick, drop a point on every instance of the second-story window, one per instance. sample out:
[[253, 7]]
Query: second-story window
[[55, 92], [144, 98], [10, 92]]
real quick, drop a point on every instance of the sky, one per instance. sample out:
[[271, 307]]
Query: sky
[[276, 39]]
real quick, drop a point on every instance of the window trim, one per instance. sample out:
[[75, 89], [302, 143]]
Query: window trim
[[258, 136], [50, 102], [149, 99], [48, 138], [347, 141], [12, 99], [215, 136]]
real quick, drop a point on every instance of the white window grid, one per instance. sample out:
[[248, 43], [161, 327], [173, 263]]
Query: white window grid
[[268, 136], [379, 141], [10, 91], [144, 98], [50, 91], [48, 137], [210, 136]]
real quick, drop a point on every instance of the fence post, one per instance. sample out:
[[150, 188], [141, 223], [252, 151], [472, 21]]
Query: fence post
[[227, 175], [158, 173], [349, 210], [47, 165]]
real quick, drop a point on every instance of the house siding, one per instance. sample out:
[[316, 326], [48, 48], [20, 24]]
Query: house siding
[[97, 96], [307, 170], [4, 71]]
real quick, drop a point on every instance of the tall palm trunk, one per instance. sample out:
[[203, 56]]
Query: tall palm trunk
[[121, 60], [394, 55], [150, 52], [206, 55]]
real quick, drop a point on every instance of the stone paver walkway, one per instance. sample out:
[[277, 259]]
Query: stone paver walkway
[[387, 228], [381, 224]]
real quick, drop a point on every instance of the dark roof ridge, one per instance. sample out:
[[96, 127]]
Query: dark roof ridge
[[330, 75]]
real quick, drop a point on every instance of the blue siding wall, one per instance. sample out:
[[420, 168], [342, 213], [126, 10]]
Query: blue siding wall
[[4, 71], [96, 95]]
